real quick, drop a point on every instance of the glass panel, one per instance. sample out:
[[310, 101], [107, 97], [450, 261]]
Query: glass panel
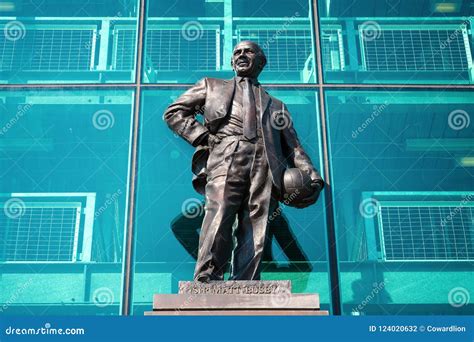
[[402, 166], [167, 240], [68, 41], [187, 40], [64, 165], [369, 41]]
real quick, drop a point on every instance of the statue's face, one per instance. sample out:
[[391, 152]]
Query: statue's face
[[246, 60]]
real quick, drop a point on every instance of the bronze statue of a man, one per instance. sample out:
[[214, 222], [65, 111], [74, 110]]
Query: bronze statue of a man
[[239, 163]]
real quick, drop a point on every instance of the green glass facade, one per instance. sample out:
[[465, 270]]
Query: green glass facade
[[65, 163], [400, 168], [67, 42], [364, 41], [186, 41], [98, 212]]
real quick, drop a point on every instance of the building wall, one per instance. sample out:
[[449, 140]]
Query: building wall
[[98, 209]]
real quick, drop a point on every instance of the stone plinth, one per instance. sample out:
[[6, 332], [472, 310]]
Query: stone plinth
[[236, 298]]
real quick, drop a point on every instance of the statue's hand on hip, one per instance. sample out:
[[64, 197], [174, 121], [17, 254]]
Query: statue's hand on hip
[[213, 140]]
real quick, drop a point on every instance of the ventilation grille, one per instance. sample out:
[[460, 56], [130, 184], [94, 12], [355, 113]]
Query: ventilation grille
[[427, 232], [48, 50], [415, 49], [286, 52], [170, 50], [39, 232], [124, 49]]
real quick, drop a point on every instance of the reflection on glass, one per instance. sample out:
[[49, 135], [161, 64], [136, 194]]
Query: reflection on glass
[[187, 40], [169, 212], [402, 185], [392, 42], [63, 190], [69, 41]]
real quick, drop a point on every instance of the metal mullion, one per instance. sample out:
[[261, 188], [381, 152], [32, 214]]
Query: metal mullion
[[128, 267], [330, 222]]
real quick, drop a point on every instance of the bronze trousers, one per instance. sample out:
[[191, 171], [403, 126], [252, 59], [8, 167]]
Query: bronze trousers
[[239, 186]]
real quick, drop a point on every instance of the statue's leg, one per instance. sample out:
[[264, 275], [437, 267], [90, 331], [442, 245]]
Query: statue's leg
[[225, 190], [253, 220]]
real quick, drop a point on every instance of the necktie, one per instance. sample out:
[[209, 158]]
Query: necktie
[[249, 109]]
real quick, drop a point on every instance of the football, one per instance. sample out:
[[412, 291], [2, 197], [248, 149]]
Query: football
[[296, 186]]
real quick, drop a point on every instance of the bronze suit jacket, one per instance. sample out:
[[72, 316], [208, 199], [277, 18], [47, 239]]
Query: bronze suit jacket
[[212, 98]]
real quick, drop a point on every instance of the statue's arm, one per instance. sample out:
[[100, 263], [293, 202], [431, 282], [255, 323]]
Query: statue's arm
[[181, 114]]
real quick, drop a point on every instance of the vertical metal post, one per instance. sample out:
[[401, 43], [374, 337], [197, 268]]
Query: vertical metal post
[[331, 228], [127, 273]]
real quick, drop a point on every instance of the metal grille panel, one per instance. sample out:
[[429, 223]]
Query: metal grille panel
[[427, 233], [285, 52], [39, 234], [47, 50], [415, 50], [124, 49], [169, 50]]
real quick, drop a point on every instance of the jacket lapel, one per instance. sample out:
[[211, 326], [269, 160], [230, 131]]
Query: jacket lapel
[[227, 95], [263, 101]]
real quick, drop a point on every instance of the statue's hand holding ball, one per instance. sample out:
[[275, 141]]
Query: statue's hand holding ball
[[300, 191]]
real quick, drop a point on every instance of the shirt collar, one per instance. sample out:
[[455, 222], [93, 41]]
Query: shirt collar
[[254, 81]]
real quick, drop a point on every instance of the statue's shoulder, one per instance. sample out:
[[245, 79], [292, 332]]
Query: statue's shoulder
[[215, 81]]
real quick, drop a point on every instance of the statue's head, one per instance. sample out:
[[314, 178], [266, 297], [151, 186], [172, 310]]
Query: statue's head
[[248, 59]]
